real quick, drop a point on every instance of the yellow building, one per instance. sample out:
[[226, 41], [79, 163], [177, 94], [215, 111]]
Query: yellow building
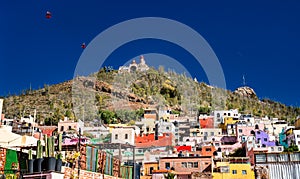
[[228, 121], [297, 123], [233, 171], [148, 167]]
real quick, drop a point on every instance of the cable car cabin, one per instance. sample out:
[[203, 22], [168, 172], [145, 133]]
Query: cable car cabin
[[48, 15], [83, 45]]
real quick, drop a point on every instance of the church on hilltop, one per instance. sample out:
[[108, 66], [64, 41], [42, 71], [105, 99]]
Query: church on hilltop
[[133, 67]]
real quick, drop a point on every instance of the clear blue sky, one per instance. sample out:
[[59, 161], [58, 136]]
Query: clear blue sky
[[257, 39]]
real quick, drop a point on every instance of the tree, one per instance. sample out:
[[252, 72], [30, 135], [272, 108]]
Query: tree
[[240, 152], [131, 123], [170, 175], [107, 116], [292, 148]]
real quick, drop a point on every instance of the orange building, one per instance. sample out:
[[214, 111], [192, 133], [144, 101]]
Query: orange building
[[206, 121], [207, 151], [148, 168]]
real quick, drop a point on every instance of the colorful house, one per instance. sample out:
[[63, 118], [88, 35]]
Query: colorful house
[[185, 166], [235, 168], [206, 121], [148, 168], [282, 139], [148, 140], [208, 151], [262, 139]]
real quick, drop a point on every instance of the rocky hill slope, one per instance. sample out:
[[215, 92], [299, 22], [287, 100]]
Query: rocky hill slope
[[109, 94]]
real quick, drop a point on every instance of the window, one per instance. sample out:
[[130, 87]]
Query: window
[[205, 138], [265, 139], [190, 165], [61, 128], [234, 172], [218, 114], [279, 149], [212, 133], [244, 172], [298, 136], [183, 165], [205, 133], [126, 136], [208, 149], [151, 169], [258, 132], [272, 148], [116, 136], [167, 165], [219, 133], [167, 128], [195, 164], [240, 130], [70, 127]]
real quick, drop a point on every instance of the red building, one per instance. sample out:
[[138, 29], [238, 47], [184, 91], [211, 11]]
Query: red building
[[206, 121], [148, 140], [47, 130], [183, 148]]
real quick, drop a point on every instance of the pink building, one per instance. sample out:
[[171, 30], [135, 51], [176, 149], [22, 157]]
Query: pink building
[[185, 166], [244, 129]]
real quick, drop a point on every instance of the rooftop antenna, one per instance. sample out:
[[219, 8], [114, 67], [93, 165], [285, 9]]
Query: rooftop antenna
[[244, 80]]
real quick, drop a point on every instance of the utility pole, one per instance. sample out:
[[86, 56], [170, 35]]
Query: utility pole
[[79, 158]]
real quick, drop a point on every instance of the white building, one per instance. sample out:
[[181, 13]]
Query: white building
[[123, 135], [294, 138], [142, 66], [220, 115], [97, 132], [166, 127]]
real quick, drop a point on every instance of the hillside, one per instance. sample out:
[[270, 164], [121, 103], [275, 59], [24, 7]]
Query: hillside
[[111, 94]]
